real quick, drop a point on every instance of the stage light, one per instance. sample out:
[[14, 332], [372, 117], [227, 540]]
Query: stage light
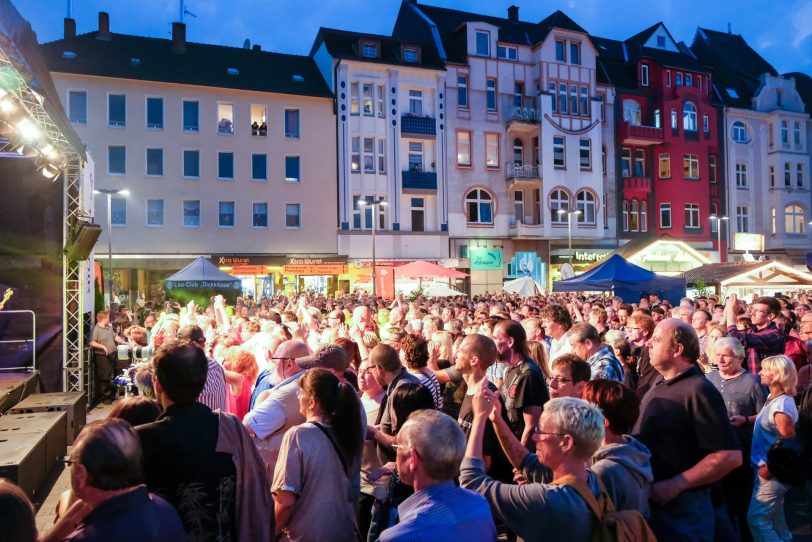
[[49, 171], [6, 106], [28, 130]]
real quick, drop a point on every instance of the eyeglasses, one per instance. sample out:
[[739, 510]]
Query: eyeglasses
[[558, 380], [537, 434], [68, 461]]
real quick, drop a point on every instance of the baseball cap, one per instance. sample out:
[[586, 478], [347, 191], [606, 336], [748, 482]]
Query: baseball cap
[[329, 356]]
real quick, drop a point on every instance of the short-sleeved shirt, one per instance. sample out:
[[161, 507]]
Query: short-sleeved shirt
[[744, 396], [681, 421], [310, 468], [524, 386], [500, 469], [766, 430], [106, 336], [386, 453]]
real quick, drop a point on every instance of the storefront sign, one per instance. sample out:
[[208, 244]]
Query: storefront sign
[[487, 258], [749, 241], [249, 270], [315, 269], [527, 264], [231, 260], [590, 256]]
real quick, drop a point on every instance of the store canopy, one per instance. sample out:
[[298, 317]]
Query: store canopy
[[426, 270], [763, 276], [438, 289], [524, 286], [202, 274], [660, 253], [624, 279]]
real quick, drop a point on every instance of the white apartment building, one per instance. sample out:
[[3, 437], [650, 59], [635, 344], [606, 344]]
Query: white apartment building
[[391, 145], [222, 150]]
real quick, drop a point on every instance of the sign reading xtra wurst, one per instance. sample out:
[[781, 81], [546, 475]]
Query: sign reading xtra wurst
[[487, 258]]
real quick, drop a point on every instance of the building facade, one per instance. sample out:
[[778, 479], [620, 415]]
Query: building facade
[[227, 151]]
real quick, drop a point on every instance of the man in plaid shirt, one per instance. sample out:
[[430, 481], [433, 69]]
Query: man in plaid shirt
[[764, 339]]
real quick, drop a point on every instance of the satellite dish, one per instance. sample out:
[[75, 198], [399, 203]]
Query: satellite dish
[[566, 271]]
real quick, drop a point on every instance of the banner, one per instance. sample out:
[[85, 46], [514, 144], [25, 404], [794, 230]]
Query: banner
[[527, 264], [385, 281], [487, 258]]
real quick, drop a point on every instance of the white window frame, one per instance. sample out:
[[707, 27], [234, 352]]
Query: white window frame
[[588, 149], [199, 213], [644, 75], [739, 132], [492, 146], [368, 155], [183, 127], [368, 99], [300, 226], [291, 180], [693, 219], [183, 163], [557, 203], [163, 213], [233, 120], [69, 100], [298, 135], [463, 85], [692, 160], [380, 155], [477, 34], [267, 215], [117, 174], [146, 162], [355, 154], [416, 102], [355, 98], [114, 199], [233, 165], [479, 201], [794, 219], [117, 126], [582, 204], [665, 210], [257, 179], [741, 175], [689, 123], [563, 146], [742, 219], [147, 125], [219, 224], [468, 148]]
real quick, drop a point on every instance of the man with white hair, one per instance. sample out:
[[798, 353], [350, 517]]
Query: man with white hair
[[430, 446]]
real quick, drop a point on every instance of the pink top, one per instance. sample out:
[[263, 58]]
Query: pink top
[[238, 404]]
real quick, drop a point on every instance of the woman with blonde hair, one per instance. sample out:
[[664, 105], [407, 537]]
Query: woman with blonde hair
[[775, 420], [441, 343], [539, 354]]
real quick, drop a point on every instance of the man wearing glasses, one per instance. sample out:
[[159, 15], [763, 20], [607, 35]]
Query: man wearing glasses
[[764, 339]]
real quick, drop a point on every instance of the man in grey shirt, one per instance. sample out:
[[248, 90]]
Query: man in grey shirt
[[103, 341]]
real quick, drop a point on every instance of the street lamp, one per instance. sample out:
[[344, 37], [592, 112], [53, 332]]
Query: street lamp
[[110, 192], [569, 214], [719, 220], [374, 204]]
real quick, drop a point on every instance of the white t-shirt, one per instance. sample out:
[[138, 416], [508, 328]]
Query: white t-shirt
[[765, 432]]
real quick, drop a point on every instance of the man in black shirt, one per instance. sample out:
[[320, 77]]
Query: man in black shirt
[[524, 390], [476, 353], [684, 422]]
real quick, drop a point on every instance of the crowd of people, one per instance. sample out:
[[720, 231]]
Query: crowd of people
[[356, 418]]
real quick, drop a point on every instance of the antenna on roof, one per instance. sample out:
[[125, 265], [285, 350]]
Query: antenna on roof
[[729, 28], [184, 11]]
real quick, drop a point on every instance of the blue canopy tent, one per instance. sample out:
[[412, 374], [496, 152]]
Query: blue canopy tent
[[624, 279], [200, 280]]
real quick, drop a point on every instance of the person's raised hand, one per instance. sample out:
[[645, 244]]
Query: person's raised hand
[[482, 402]]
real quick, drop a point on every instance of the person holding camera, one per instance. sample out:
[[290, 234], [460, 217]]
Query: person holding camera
[[103, 341]]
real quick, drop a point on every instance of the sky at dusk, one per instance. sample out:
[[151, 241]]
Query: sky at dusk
[[780, 30]]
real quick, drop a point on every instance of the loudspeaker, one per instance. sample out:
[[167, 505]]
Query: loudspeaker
[[84, 239], [72, 403]]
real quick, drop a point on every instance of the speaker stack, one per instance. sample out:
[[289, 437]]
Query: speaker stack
[[31, 444]]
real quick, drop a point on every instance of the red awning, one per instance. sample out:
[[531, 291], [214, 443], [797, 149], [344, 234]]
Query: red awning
[[426, 270]]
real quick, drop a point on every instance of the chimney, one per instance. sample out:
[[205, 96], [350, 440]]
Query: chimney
[[104, 27], [178, 38], [513, 14], [256, 47], [729, 28], [70, 28]]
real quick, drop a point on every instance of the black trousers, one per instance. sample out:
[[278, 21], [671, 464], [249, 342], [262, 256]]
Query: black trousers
[[105, 371]]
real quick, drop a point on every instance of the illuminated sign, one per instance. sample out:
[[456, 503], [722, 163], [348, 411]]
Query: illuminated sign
[[487, 258], [749, 241], [590, 256]]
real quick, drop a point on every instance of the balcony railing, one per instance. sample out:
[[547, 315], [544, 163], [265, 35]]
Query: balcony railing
[[419, 180], [638, 184], [640, 135], [418, 125], [523, 110], [521, 171]]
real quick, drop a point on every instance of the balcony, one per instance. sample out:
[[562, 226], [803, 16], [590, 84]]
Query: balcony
[[418, 126], [520, 230], [631, 134], [637, 184], [521, 112], [419, 180], [521, 171]]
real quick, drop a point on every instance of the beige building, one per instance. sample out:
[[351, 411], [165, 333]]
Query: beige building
[[222, 151]]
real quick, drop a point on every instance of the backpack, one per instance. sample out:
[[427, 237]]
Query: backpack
[[611, 525]]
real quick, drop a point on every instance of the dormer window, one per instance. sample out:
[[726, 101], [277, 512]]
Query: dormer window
[[560, 51], [483, 43], [644, 75], [232, 71], [506, 52], [69, 55], [369, 49], [575, 53], [661, 42], [411, 55], [135, 61]]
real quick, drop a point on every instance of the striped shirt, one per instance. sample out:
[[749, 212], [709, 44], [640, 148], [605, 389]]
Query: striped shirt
[[759, 344], [214, 391], [431, 383]]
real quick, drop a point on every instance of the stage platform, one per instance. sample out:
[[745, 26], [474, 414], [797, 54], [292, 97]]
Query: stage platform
[[16, 386]]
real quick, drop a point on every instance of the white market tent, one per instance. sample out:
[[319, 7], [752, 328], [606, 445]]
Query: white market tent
[[524, 286]]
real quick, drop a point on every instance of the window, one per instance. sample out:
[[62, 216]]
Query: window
[[626, 162], [712, 169], [225, 118], [689, 80], [416, 102], [771, 135], [665, 166], [631, 112], [191, 116], [742, 219], [634, 216], [293, 173], [117, 110], [690, 166], [773, 220], [625, 215], [518, 206], [355, 157], [292, 124], [368, 98], [369, 50], [575, 53], [191, 213], [796, 133], [479, 204], [118, 211], [787, 175], [739, 132], [585, 202], [506, 52], [559, 152], [562, 98], [191, 164], [410, 55], [518, 94], [674, 125], [603, 159], [644, 75], [226, 214], [679, 79], [714, 212], [155, 212], [799, 175], [415, 156], [418, 214], [155, 113], [573, 100], [116, 160], [369, 155], [639, 163], [643, 216], [665, 215], [554, 97], [155, 162], [560, 51], [259, 120], [779, 97], [741, 175], [381, 156], [689, 117], [784, 133], [225, 165], [483, 43], [77, 106], [705, 124], [668, 78], [365, 213], [380, 97], [463, 148], [661, 41], [585, 154], [490, 93], [584, 102], [691, 215], [259, 167], [462, 91], [354, 109], [794, 219], [259, 215], [518, 152], [492, 150], [559, 200], [772, 176]]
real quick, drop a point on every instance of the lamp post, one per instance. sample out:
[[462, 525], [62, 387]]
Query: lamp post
[[374, 204], [719, 220], [110, 192], [569, 214]]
